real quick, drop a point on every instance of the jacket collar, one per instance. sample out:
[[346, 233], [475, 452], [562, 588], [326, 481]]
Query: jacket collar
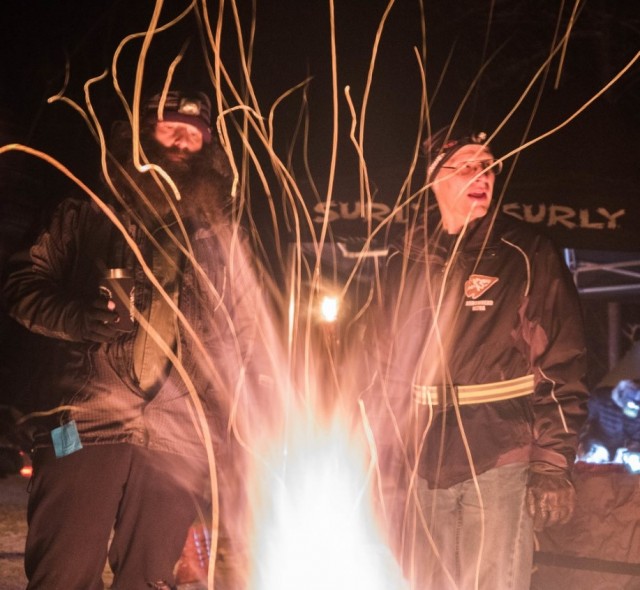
[[429, 235]]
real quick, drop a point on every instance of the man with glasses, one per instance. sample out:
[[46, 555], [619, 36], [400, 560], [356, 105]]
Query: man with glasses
[[485, 330]]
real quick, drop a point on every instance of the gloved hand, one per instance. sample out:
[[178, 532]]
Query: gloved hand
[[550, 495], [100, 321]]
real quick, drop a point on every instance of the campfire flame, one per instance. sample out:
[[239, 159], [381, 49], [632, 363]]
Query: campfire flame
[[316, 528]]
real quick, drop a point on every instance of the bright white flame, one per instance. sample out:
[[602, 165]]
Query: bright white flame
[[318, 530], [329, 308]]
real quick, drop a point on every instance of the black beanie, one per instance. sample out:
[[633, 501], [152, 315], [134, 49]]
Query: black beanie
[[183, 107], [440, 146]]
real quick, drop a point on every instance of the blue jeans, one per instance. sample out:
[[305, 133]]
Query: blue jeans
[[474, 542]]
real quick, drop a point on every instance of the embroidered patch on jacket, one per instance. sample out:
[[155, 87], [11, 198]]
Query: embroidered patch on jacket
[[478, 285]]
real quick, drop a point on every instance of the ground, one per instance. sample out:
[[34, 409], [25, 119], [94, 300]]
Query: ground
[[13, 532], [13, 529]]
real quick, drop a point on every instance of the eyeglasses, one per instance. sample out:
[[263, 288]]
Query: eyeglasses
[[473, 167]]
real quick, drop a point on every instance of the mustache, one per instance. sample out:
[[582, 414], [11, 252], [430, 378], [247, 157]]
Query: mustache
[[174, 150]]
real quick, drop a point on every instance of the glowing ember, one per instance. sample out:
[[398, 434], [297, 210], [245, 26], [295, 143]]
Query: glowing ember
[[27, 469], [318, 528]]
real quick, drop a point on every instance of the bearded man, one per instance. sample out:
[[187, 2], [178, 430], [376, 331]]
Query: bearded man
[[120, 437]]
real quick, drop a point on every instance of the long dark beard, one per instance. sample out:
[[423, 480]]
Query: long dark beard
[[203, 191]]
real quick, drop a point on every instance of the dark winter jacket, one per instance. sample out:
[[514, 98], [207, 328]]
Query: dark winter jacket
[[506, 308], [95, 384]]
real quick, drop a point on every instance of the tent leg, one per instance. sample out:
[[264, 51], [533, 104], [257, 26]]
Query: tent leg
[[613, 314]]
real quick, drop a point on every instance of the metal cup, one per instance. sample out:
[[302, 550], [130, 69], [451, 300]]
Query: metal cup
[[117, 284]]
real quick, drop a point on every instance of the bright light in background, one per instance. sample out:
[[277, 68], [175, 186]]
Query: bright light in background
[[329, 306], [318, 530]]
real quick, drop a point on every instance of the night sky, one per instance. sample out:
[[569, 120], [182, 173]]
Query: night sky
[[481, 56]]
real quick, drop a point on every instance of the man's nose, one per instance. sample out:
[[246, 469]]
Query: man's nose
[[180, 139], [481, 170], [478, 174], [482, 173]]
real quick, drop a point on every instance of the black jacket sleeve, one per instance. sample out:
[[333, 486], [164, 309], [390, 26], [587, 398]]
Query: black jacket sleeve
[[553, 327], [47, 286]]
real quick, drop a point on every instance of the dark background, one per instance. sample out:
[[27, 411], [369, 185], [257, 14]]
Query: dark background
[[480, 56]]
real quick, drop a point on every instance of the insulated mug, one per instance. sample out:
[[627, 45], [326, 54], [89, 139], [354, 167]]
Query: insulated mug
[[117, 285]]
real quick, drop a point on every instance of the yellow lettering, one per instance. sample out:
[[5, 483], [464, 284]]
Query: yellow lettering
[[320, 208], [561, 215], [532, 217], [513, 209], [612, 217], [356, 212], [585, 222], [379, 211]]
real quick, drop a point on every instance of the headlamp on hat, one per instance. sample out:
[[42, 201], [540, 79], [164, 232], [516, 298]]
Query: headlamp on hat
[[189, 106]]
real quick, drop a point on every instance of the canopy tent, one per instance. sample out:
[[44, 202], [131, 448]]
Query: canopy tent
[[600, 547]]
